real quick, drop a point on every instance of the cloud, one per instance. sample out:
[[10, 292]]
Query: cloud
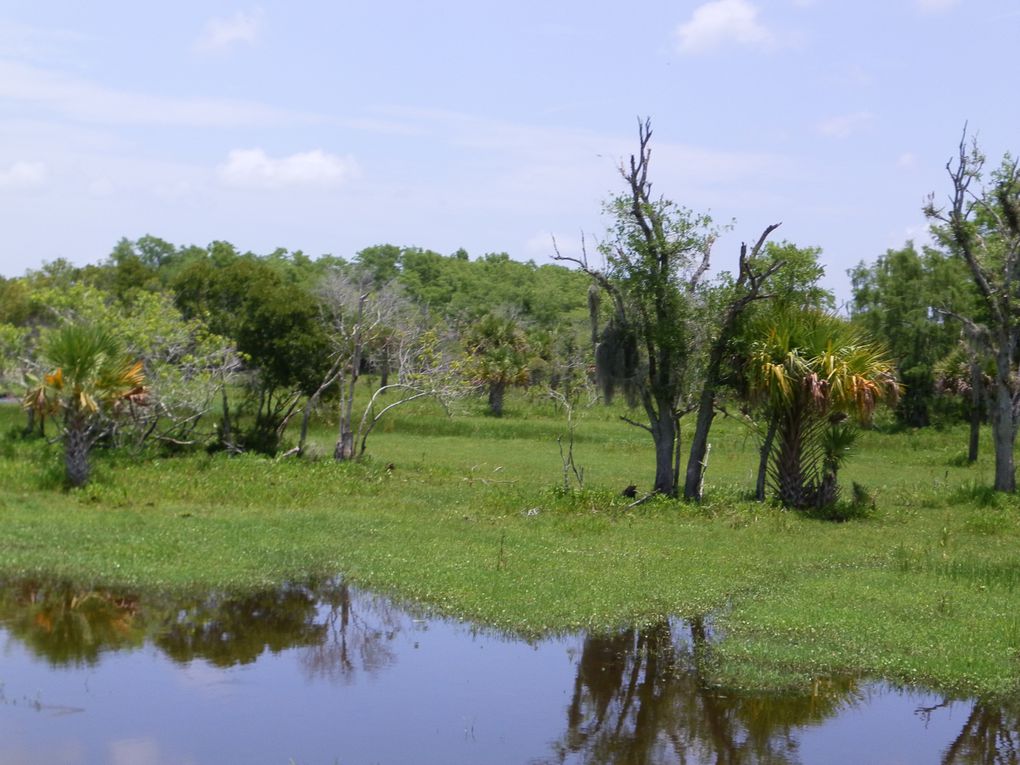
[[36, 88], [721, 22], [935, 6], [37, 43], [254, 169], [845, 125], [906, 160], [23, 175], [220, 35]]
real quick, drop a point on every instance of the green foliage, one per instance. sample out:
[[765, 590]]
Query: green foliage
[[796, 283], [275, 324], [497, 355], [14, 343], [900, 299], [793, 286], [463, 290], [810, 369], [91, 377]]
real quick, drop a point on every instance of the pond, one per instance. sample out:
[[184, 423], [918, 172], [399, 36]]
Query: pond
[[322, 673]]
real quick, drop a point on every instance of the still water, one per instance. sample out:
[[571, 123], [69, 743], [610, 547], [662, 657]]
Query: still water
[[322, 673]]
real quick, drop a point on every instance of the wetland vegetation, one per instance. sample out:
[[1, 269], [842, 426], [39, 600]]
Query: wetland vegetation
[[217, 437], [467, 516]]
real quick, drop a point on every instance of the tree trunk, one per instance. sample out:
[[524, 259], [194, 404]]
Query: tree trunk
[[384, 370], [30, 421], [331, 377], [699, 443], [791, 485], [1003, 423], [749, 284], [664, 436], [344, 449], [763, 458], [76, 451], [496, 392]]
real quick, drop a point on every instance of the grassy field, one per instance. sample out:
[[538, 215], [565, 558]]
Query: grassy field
[[472, 520]]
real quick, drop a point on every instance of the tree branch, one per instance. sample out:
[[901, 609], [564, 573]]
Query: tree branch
[[629, 421]]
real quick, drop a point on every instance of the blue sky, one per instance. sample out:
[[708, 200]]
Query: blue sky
[[332, 126]]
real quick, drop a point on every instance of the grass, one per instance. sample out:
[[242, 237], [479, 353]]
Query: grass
[[473, 521]]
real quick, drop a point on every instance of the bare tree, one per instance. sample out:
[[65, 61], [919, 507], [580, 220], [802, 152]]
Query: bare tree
[[424, 370], [752, 275], [982, 226], [357, 315]]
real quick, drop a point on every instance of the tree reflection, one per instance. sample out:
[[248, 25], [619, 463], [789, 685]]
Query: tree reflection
[[228, 629], [990, 736], [357, 634], [341, 632], [639, 698], [69, 625]]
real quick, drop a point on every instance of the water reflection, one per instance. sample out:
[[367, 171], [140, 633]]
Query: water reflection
[[990, 736], [227, 630], [70, 625], [353, 637], [639, 697], [636, 696], [66, 624]]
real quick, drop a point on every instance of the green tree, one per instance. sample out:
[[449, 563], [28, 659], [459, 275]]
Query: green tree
[[901, 300], [498, 356], [91, 376], [981, 227], [657, 335], [730, 302], [793, 285], [811, 370], [277, 328], [185, 364]]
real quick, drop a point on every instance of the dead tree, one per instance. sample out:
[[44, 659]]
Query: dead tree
[[747, 289], [983, 228]]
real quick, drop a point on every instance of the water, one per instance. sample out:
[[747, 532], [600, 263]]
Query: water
[[321, 673]]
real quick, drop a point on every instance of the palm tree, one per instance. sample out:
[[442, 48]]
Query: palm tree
[[498, 356], [813, 371], [91, 376]]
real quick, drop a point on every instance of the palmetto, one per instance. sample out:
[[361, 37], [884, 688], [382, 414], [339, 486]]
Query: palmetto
[[812, 370], [91, 375], [498, 356]]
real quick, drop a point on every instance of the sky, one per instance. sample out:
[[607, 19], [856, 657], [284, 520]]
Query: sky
[[328, 127]]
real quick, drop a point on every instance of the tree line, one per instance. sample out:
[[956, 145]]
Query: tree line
[[188, 346]]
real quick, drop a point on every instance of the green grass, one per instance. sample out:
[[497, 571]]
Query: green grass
[[471, 521]]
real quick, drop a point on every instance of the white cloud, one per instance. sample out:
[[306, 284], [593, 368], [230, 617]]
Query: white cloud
[[37, 43], [935, 6], [23, 175], [845, 125], [221, 34], [254, 169], [36, 88], [722, 22], [906, 160]]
